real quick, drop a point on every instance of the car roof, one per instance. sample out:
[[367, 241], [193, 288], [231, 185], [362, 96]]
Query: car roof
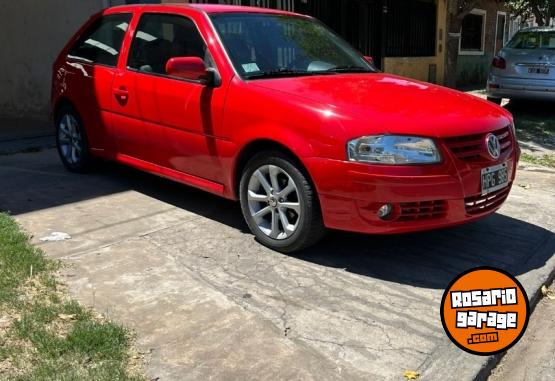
[[221, 8], [539, 29], [206, 8]]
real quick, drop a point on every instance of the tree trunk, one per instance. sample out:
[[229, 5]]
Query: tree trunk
[[538, 14], [456, 11], [452, 50]]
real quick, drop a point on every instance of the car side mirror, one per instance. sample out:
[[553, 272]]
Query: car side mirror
[[191, 68]]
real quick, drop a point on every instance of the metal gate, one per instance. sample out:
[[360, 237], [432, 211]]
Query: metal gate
[[378, 28], [358, 21]]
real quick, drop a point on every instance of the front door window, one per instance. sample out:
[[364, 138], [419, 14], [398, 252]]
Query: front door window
[[159, 38]]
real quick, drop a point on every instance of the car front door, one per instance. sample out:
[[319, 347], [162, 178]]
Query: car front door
[[180, 116]]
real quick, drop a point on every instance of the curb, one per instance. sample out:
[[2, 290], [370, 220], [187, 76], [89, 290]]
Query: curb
[[535, 298]]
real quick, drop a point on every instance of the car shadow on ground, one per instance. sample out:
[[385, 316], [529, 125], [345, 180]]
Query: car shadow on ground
[[426, 259], [432, 259], [535, 123]]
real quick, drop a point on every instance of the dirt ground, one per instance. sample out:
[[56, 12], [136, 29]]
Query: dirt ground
[[533, 358]]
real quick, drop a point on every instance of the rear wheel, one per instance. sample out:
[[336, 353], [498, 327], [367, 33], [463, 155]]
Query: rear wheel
[[71, 141], [497, 101], [280, 204]]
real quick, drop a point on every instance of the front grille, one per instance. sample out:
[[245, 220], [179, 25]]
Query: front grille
[[485, 203], [473, 148], [422, 210]]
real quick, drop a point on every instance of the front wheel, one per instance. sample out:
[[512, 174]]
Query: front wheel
[[280, 204]]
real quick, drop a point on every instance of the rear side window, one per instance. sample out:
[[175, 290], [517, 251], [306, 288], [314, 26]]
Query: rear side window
[[533, 40], [160, 37], [101, 43]]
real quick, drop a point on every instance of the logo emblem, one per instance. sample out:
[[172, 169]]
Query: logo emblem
[[494, 147], [485, 311]]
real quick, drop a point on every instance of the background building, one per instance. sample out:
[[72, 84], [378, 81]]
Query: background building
[[405, 37], [484, 32]]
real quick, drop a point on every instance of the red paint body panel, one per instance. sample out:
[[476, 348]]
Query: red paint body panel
[[195, 134]]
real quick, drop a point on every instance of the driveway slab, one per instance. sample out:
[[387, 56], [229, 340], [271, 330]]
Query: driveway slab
[[179, 266]]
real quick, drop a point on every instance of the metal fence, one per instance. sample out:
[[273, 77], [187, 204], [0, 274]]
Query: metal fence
[[390, 28]]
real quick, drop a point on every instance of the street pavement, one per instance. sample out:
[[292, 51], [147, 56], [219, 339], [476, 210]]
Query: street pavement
[[180, 268]]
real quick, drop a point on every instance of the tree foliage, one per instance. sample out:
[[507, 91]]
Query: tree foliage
[[542, 10]]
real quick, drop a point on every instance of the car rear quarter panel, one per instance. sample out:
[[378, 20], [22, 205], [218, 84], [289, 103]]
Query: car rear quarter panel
[[87, 88]]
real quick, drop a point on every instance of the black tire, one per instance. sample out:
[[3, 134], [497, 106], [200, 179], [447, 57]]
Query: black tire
[[84, 161], [497, 101], [310, 228]]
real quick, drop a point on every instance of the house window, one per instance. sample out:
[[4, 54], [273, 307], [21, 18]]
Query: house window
[[473, 33], [411, 29]]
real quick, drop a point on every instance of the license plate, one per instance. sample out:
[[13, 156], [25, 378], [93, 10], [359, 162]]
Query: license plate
[[538, 70], [494, 178]]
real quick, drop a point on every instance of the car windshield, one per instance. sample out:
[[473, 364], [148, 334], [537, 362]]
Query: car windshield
[[533, 40], [272, 45]]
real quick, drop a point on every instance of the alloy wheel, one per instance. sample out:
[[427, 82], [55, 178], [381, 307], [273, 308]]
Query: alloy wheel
[[70, 140], [273, 200]]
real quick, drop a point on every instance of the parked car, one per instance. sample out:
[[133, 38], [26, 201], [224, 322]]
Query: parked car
[[525, 67], [273, 109]]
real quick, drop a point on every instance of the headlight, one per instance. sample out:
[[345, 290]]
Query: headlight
[[393, 149]]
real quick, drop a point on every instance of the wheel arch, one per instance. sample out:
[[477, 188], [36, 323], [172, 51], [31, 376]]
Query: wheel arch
[[60, 103], [260, 145]]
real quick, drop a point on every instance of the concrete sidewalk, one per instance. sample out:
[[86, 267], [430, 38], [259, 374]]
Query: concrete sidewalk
[[12, 128], [25, 135], [179, 267]]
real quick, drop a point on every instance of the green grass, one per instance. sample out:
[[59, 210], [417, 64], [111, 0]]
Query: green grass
[[17, 258], [547, 160], [49, 336]]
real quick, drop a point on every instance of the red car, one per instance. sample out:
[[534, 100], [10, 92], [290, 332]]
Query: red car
[[275, 110]]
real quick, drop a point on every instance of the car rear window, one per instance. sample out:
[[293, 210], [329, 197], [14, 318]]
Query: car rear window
[[533, 40]]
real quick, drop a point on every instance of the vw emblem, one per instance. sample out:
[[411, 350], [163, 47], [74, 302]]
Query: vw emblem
[[494, 148]]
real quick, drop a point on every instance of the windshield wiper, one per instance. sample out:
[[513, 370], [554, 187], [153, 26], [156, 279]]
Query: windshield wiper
[[349, 69], [282, 73]]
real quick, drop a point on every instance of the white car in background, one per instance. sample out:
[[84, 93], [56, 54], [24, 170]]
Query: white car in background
[[525, 67]]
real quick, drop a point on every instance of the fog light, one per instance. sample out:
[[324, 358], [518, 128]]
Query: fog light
[[385, 211]]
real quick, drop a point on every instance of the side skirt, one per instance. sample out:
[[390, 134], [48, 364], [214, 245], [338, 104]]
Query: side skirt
[[172, 174]]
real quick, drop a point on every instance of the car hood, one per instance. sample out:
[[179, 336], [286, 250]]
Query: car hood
[[382, 103]]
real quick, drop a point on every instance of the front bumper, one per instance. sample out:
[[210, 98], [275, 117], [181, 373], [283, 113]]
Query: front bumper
[[424, 197], [520, 88]]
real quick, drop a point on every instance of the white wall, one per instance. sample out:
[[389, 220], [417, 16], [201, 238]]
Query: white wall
[[32, 32]]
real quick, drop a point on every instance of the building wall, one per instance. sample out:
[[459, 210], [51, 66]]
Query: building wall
[[474, 69], [419, 67], [33, 32], [31, 35]]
